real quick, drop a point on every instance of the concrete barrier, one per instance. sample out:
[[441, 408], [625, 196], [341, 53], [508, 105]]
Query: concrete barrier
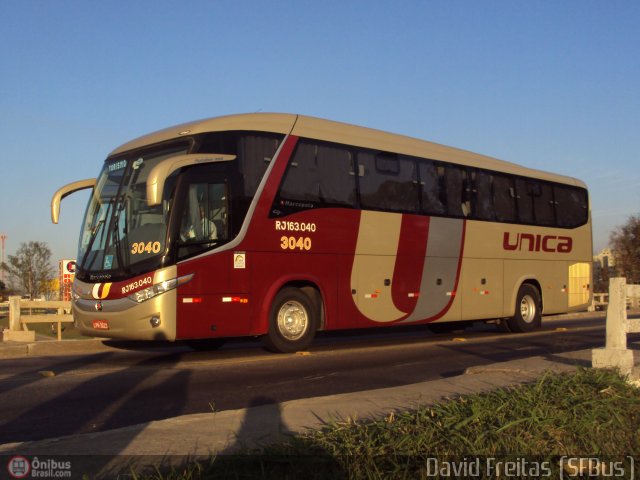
[[616, 354], [18, 330]]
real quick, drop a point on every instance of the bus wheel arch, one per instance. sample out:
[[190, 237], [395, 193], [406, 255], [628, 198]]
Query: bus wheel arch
[[527, 315], [295, 314]]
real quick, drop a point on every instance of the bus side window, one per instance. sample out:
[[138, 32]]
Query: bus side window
[[216, 209], [455, 187], [431, 185], [524, 201], [389, 182], [482, 196], [571, 206], [504, 199], [320, 174], [204, 222], [368, 181], [255, 151], [543, 203], [336, 184], [301, 179]]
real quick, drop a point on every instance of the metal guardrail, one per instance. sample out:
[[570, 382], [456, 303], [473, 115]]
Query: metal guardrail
[[19, 318]]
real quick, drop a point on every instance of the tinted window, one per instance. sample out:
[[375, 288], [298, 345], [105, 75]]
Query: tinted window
[[543, 205], [456, 190], [504, 199], [524, 201], [431, 183], [483, 208], [320, 174], [387, 182], [571, 206], [254, 151]]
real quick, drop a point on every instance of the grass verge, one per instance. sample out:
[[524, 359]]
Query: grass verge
[[588, 413]]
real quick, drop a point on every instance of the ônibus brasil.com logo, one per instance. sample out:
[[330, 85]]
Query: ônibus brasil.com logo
[[21, 467]]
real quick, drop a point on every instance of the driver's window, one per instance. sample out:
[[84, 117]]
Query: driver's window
[[204, 220]]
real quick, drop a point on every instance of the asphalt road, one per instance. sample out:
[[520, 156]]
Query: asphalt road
[[43, 397]]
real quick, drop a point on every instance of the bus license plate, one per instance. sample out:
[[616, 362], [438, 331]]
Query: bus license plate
[[100, 325]]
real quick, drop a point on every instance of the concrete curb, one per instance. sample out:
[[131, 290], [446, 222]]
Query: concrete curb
[[51, 347]]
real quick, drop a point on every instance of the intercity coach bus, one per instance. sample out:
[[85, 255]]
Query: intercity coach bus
[[281, 225]]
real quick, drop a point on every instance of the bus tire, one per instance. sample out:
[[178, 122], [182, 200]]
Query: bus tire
[[528, 315], [292, 322]]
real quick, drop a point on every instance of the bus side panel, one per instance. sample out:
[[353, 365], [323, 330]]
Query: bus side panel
[[551, 276], [412, 248], [482, 288], [318, 246], [215, 303], [274, 270], [312, 246], [538, 255]]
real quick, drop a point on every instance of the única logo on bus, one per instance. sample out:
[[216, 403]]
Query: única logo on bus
[[529, 242]]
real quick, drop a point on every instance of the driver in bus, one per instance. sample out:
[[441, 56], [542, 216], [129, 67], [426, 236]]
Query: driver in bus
[[205, 229]]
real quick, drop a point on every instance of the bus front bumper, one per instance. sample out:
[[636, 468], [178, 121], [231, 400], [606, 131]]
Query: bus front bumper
[[153, 319]]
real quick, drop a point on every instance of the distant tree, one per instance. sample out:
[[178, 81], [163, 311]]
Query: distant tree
[[51, 289], [600, 278], [625, 244], [30, 268]]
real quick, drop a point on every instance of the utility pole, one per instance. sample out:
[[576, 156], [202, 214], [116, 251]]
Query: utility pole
[[3, 237]]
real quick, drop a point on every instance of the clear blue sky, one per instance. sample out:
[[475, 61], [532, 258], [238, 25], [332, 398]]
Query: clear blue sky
[[553, 85]]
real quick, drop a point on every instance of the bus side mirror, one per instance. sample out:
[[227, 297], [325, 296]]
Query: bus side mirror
[[68, 190], [159, 174]]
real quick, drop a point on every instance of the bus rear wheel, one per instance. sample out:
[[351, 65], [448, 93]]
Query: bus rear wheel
[[292, 322], [528, 316]]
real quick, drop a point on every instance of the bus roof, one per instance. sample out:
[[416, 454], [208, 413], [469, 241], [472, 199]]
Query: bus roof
[[337, 132]]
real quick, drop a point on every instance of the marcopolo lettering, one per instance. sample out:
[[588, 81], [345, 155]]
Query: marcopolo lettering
[[529, 242]]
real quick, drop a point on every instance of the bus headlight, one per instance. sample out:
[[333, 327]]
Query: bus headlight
[[159, 288]]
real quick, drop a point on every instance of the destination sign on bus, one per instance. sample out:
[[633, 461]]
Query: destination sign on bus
[[119, 165]]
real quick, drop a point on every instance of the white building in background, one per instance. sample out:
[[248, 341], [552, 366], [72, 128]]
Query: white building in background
[[605, 259]]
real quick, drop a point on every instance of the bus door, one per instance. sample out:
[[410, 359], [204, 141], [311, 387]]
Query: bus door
[[204, 223]]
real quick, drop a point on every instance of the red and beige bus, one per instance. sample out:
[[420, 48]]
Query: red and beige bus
[[280, 225]]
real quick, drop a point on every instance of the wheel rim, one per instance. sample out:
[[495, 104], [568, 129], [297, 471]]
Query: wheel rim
[[528, 309], [293, 320]]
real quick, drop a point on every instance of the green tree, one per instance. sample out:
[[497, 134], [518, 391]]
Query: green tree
[[30, 268], [625, 244]]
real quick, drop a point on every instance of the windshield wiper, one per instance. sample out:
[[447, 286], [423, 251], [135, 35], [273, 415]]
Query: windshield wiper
[[94, 235], [115, 235]]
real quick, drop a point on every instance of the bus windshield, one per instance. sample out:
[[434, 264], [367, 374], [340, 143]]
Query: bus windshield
[[120, 230]]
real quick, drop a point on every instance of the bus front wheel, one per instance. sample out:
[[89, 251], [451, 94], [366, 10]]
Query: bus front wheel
[[528, 316], [292, 322]]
